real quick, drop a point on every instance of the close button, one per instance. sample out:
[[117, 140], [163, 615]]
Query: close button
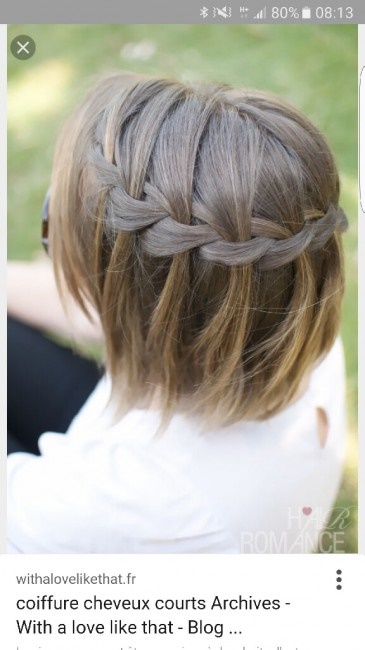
[[22, 47]]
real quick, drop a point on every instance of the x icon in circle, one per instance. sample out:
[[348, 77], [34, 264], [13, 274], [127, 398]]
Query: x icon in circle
[[23, 47]]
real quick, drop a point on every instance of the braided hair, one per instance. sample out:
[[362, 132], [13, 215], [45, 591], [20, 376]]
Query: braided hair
[[203, 223]]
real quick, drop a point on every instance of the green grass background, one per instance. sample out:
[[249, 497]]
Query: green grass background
[[312, 66]]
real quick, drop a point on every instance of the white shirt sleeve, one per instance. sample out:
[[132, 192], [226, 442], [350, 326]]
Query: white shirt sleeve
[[106, 498]]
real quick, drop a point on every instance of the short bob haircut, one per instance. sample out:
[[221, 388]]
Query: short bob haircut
[[202, 222]]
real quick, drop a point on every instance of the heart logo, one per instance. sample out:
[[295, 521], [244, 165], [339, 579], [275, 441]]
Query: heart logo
[[306, 510]]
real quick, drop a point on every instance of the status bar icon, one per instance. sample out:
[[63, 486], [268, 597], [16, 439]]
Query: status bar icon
[[260, 15], [306, 13], [204, 12], [225, 12]]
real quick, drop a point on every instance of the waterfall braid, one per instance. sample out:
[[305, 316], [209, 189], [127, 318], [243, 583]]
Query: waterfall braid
[[203, 224]]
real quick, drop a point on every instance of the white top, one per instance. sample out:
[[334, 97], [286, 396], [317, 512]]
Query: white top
[[251, 487]]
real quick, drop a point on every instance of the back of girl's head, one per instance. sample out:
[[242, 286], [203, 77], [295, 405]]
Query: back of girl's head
[[203, 224]]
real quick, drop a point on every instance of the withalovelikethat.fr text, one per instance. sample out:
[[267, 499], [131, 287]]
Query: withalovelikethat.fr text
[[81, 578]]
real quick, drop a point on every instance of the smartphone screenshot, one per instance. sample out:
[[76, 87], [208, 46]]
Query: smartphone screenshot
[[182, 314]]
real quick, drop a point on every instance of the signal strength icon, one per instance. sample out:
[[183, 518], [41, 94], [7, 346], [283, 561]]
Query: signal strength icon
[[261, 14]]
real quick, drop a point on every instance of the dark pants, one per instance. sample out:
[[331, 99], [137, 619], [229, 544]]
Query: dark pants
[[47, 386]]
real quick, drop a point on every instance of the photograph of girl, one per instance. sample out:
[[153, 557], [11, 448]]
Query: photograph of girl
[[176, 373]]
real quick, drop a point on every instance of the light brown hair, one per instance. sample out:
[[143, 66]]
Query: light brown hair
[[203, 224]]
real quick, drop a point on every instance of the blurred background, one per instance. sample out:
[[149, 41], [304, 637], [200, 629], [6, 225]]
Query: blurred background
[[312, 66]]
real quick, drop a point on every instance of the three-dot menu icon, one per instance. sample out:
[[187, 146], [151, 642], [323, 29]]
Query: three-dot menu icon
[[339, 579]]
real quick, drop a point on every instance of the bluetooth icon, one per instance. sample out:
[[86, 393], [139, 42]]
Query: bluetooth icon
[[204, 12]]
